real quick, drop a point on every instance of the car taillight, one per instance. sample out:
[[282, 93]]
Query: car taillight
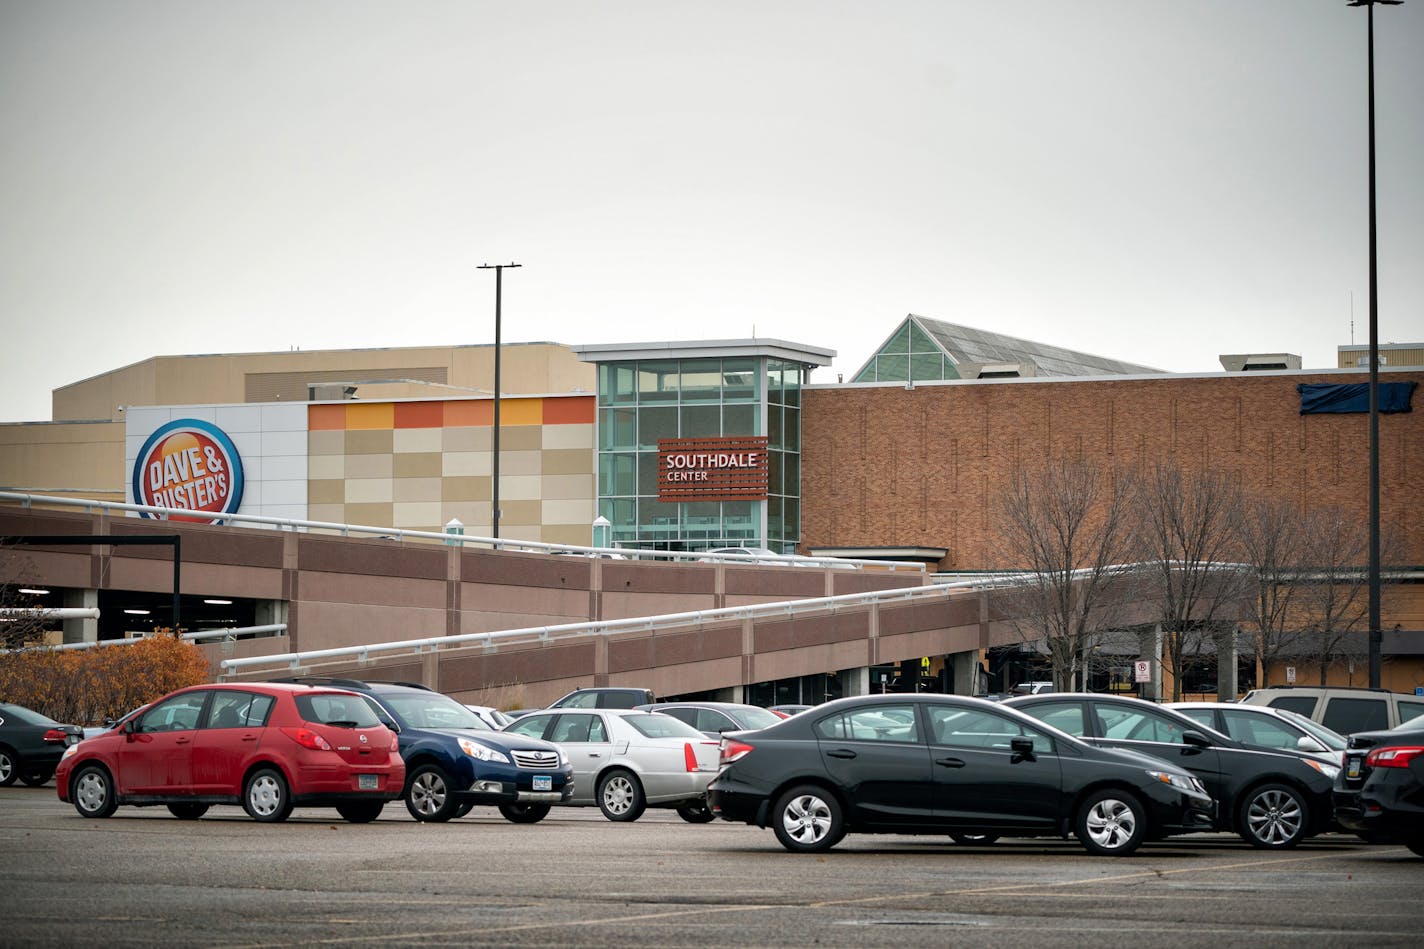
[[689, 757], [732, 749], [54, 734], [307, 738], [780, 714], [1393, 757], [395, 743]]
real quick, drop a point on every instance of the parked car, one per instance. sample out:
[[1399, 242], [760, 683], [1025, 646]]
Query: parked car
[[714, 718], [111, 723], [1260, 726], [269, 747], [955, 765], [1031, 688], [625, 761], [1272, 799], [492, 717], [1380, 791], [454, 762], [1342, 709], [601, 697], [786, 711], [31, 745]]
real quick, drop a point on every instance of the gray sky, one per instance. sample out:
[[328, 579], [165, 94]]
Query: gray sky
[[1159, 181]]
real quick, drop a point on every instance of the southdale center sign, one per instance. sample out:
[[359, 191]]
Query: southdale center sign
[[731, 468], [189, 464]]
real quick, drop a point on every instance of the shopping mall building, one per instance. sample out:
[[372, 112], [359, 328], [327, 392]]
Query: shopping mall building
[[688, 446]]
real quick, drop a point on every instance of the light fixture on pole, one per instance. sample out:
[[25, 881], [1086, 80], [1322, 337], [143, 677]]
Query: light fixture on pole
[[1376, 636], [494, 483]]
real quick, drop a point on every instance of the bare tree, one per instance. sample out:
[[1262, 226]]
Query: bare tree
[[1065, 524], [1270, 534], [1186, 538], [1336, 598], [17, 629]]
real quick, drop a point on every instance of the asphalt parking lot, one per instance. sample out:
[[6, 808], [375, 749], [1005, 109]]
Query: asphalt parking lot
[[144, 878]]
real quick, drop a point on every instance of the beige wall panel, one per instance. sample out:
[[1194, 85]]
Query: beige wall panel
[[326, 443], [519, 462], [417, 489], [568, 436], [325, 491], [326, 467], [474, 514], [576, 487], [467, 489], [371, 515], [568, 461], [369, 490], [474, 438], [59, 459], [419, 515], [329, 513], [521, 530], [360, 467], [465, 464], [417, 440], [519, 487], [567, 512], [518, 512], [520, 438], [417, 464], [101, 396], [376, 441], [580, 535]]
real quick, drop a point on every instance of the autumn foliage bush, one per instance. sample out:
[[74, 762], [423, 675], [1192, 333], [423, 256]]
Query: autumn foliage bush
[[87, 686]]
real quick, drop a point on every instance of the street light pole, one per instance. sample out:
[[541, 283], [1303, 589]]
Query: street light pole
[[494, 483], [1376, 636]]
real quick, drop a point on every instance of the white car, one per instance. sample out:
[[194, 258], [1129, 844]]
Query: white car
[[493, 718], [626, 761]]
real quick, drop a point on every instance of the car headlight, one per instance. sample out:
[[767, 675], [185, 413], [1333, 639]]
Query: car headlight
[[1329, 770], [482, 752], [68, 752], [1182, 782]]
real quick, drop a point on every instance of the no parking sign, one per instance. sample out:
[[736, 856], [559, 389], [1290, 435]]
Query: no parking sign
[[1142, 670]]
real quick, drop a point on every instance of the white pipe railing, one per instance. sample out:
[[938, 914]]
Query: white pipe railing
[[232, 632], [43, 612]]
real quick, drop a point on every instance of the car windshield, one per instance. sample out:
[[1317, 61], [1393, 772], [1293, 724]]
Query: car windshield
[[755, 717], [431, 710], [1330, 739], [657, 725]]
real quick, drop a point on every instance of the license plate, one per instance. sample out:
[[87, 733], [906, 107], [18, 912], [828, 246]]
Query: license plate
[[1353, 769], [368, 782], [543, 782]]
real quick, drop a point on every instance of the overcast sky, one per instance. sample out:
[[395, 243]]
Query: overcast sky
[[1159, 181]]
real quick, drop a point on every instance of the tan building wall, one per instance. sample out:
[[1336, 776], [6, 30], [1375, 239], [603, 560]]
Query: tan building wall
[[1396, 355], [80, 459]]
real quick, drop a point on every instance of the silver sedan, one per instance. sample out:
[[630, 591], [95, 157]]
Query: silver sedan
[[626, 761]]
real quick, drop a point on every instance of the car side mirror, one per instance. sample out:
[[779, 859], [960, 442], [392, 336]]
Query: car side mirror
[[1022, 748], [1307, 743], [1195, 741]]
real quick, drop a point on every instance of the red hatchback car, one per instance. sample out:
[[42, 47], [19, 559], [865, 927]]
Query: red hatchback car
[[267, 746]]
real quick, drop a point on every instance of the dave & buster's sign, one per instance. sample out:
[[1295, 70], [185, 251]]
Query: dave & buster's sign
[[189, 464], [731, 468]]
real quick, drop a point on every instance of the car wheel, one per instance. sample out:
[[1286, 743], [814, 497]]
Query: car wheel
[[620, 796], [36, 779], [266, 797], [1111, 823], [360, 812], [429, 798], [93, 792], [7, 767], [1273, 817], [187, 810], [974, 840], [808, 819], [696, 813], [524, 813]]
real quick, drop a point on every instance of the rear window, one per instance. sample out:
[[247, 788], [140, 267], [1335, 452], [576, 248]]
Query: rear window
[[657, 725], [335, 708], [1303, 704], [1409, 711], [1356, 715]]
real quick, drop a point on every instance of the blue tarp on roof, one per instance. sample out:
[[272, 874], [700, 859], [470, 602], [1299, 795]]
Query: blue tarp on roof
[[1354, 397]]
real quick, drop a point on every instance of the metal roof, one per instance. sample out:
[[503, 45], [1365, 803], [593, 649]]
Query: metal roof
[[965, 344]]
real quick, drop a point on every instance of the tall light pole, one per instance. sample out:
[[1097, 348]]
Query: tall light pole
[[494, 484], [1376, 636]]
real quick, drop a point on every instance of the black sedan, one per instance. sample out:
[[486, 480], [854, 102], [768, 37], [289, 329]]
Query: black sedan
[[1380, 791], [1273, 799], [31, 744], [945, 764]]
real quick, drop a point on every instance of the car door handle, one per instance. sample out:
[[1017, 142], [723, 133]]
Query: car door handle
[[950, 762], [840, 753], [595, 754]]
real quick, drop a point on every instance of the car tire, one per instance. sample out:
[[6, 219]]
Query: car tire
[[524, 813], [8, 764], [187, 810], [464, 808], [696, 813], [266, 796], [1111, 823], [1273, 817], [620, 796], [428, 796], [92, 791], [808, 819], [360, 812], [36, 779], [974, 840]]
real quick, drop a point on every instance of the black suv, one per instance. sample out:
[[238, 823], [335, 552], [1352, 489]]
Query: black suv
[[1272, 799], [452, 760]]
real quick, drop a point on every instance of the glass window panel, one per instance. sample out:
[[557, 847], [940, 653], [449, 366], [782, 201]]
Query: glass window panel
[[900, 342], [657, 380], [892, 368], [791, 520], [617, 429], [656, 521], [773, 519], [615, 382], [791, 474], [740, 520], [701, 380], [655, 423], [739, 379], [791, 429], [648, 473], [791, 388], [773, 472], [867, 374], [773, 383], [773, 426], [701, 421], [920, 341], [925, 366], [616, 471], [702, 519], [741, 419]]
